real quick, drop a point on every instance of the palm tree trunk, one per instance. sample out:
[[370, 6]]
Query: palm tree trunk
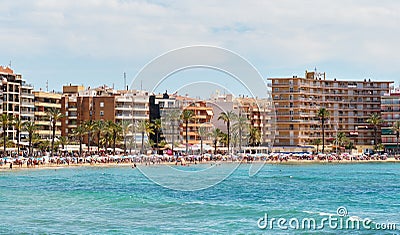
[[158, 147], [114, 138], [4, 138], [142, 148], [124, 145], [187, 146], [89, 141], [397, 137], [173, 138], [98, 142], [18, 141], [240, 139], [201, 146], [52, 139], [80, 146], [323, 135], [229, 133], [376, 140], [106, 143], [30, 145]]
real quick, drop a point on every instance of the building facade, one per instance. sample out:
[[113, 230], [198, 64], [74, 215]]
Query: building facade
[[390, 108], [103, 103], [16, 100], [260, 116], [202, 116], [43, 102], [350, 103]]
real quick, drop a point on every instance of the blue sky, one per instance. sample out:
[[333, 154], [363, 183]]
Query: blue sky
[[95, 42]]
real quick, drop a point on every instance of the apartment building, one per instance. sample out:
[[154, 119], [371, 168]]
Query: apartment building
[[258, 112], [69, 107], [132, 106], [16, 99], [390, 112], [166, 108], [44, 101], [349, 103], [260, 116], [103, 103], [202, 117]]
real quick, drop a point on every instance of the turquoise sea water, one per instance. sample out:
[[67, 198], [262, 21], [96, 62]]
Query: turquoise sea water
[[122, 201]]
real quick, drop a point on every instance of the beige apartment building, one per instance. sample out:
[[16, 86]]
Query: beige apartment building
[[43, 102], [390, 108], [259, 113], [349, 103]]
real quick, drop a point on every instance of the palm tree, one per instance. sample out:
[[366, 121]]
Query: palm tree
[[215, 135], [144, 127], [396, 129], [30, 127], [375, 120], [43, 144], [54, 114], [350, 146], [170, 119], [108, 133], [63, 140], [157, 127], [187, 116], [240, 126], [341, 139], [202, 131], [90, 127], [125, 128], [99, 127], [18, 125], [323, 114], [227, 117], [317, 142], [5, 121], [115, 131], [255, 136], [79, 132], [223, 139]]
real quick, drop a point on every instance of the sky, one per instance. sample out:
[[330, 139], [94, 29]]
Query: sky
[[93, 42]]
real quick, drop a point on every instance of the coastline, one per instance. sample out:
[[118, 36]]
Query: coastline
[[16, 168]]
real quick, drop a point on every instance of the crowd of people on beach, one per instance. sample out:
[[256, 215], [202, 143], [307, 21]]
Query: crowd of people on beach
[[179, 158]]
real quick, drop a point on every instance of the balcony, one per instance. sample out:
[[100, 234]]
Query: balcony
[[123, 107], [27, 95], [27, 104]]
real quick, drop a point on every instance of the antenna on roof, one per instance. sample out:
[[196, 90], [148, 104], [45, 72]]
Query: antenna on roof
[[9, 65], [125, 81], [47, 85]]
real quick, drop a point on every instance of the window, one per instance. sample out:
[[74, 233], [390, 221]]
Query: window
[[101, 105], [101, 113]]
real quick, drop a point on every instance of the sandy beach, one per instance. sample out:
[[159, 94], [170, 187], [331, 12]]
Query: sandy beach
[[6, 167]]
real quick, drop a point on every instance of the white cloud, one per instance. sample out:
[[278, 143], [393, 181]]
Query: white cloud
[[283, 33]]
